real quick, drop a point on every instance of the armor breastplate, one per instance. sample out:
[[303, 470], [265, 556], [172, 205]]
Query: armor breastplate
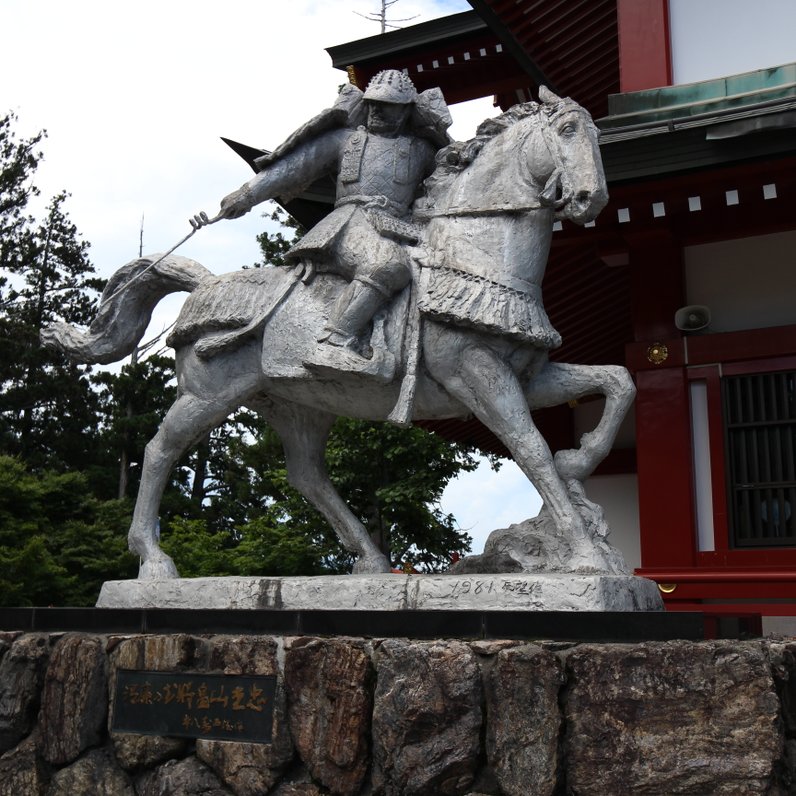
[[373, 165]]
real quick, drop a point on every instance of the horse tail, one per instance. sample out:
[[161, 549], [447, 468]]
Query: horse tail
[[125, 308]]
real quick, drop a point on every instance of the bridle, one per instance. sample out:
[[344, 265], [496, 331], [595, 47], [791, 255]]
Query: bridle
[[558, 178]]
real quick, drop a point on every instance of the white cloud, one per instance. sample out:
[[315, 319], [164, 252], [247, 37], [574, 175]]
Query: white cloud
[[485, 500]]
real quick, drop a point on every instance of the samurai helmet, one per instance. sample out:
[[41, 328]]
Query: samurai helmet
[[391, 86]]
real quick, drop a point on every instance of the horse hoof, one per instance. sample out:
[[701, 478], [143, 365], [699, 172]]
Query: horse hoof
[[158, 568], [373, 565]]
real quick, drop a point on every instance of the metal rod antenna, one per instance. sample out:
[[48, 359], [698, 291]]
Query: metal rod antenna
[[197, 222]]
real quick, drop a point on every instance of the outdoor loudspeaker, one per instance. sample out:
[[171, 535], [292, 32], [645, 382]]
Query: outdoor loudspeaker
[[692, 318]]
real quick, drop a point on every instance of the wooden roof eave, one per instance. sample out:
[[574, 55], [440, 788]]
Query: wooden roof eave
[[405, 40], [520, 55], [436, 32], [680, 151]]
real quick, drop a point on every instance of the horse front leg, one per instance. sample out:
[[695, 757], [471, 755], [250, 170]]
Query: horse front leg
[[481, 379], [208, 392], [559, 383]]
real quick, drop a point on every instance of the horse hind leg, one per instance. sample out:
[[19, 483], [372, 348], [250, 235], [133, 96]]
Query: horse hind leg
[[304, 433], [188, 420]]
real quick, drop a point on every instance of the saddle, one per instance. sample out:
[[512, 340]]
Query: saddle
[[229, 311], [236, 305], [290, 338]]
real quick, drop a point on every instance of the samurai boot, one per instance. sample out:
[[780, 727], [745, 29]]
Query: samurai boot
[[339, 347]]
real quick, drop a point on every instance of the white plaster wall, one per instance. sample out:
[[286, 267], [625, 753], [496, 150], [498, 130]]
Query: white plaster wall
[[618, 495], [779, 626], [587, 415], [716, 38], [748, 283]]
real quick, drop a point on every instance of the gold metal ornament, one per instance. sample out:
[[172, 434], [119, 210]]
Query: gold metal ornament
[[657, 353], [667, 588]]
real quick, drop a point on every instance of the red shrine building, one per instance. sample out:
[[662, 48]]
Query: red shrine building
[[688, 277]]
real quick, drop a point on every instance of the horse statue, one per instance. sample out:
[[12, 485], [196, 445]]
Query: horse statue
[[469, 336]]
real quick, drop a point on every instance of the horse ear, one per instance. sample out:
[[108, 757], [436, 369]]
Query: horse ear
[[547, 96]]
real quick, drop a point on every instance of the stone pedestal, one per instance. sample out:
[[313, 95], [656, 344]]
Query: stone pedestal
[[355, 716], [508, 592]]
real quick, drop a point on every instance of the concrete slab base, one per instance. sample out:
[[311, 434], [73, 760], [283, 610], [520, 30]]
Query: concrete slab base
[[509, 592]]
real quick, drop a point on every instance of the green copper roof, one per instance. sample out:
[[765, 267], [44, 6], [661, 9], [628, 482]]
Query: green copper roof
[[706, 97]]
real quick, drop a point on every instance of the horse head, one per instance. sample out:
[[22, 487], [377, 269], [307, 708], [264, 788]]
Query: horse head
[[572, 173], [535, 155]]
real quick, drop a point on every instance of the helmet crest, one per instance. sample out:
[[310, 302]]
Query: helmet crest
[[391, 85]]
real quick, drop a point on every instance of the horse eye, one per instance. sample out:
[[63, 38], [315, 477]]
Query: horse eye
[[567, 129]]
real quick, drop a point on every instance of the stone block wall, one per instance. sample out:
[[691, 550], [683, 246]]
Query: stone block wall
[[358, 716]]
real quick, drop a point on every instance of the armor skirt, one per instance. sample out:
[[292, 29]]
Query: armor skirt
[[465, 299]]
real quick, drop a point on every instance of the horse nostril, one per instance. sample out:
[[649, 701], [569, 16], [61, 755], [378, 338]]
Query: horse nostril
[[582, 197]]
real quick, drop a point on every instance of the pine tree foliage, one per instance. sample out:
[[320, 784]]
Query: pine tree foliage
[[47, 405], [18, 162], [275, 245], [131, 405], [58, 540], [58, 543]]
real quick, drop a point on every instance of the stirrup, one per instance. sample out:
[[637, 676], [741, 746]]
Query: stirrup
[[341, 359], [344, 338]]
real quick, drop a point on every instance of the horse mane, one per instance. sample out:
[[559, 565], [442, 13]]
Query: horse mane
[[453, 159], [457, 156], [466, 152]]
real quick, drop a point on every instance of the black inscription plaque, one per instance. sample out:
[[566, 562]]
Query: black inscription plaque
[[195, 705]]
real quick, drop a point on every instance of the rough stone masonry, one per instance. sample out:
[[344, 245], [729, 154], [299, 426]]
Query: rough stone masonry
[[369, 716]]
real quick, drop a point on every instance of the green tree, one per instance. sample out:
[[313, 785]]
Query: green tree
[[47, 406], [265, 526], [254, 522], [46, 403], [275, 245], [132, 403], [393, 479], [58, 541], [18, 162], [58, 544]]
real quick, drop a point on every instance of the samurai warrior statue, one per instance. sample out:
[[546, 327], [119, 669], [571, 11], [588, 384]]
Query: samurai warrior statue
[[381, 145]]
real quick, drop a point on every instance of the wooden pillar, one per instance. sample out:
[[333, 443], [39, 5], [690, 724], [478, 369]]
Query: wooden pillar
[[645, 59], [665, 481], [663, 426]]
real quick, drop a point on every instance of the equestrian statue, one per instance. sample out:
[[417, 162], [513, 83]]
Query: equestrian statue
[[417, 297]]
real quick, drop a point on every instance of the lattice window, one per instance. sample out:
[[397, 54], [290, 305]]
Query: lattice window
[[760, 425]]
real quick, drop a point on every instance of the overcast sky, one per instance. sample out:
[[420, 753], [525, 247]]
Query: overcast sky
[[134, 97]]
